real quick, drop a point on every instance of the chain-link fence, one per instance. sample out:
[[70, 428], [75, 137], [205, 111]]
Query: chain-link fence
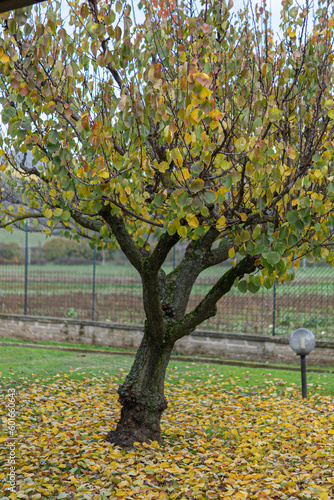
[[61, 278]]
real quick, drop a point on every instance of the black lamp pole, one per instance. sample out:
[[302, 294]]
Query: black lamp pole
[[303, 374], [302, 341]]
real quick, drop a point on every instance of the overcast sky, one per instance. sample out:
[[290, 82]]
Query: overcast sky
[[274, 6]]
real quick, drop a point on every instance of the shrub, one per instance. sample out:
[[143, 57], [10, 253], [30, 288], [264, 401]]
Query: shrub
[[60, 249], [11, 252]]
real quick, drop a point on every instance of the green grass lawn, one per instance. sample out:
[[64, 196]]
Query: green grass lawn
[[228, 432], [24, 363]]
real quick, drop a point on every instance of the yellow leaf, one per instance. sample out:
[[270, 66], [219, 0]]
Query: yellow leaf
[[3, 439], [205, 93], [104, 174], [291, 153], [163, 166], [221, 222], [73, 480], [124, 483], [123, 199], [231, 253], [243, 217], [182, 231], [193, 222], [187, 138], [185, 174], [214, 124], [128, 190], [4, 58], [194, 116], [120, 493]]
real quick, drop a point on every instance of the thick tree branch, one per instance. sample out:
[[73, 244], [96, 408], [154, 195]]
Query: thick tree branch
[[217, 256], [198, 256], [124, 239], [159, 254], [86, 222], [19, 218], [6, 5], [152, 306], [221, 288]]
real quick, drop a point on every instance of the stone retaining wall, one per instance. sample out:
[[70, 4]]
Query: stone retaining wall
[[202, 343]]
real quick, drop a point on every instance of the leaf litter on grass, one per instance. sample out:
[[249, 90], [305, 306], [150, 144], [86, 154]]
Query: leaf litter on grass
[[220, 441]]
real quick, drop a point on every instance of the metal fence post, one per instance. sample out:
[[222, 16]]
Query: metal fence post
[[26, 270], [94, 279], [274, 310]]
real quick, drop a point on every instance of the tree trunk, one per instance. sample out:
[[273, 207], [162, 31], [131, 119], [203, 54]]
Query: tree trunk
[[142, 395]]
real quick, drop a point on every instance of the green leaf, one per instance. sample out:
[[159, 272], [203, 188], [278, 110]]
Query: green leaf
[[210, 196], [292, 216], [197, 168], [274, 114], [300, 225], [53, 137], [273, 258], [197, 204], [227, 181], [253, 288], [244, 236], [242, 286], [48, 213], [292, 240], [58, 212], [158, 199], [181, 199], [280, 247], [251, 248], [268, 283], [8, 113], [284, 231], [65, 216], [256, 232], [196, 185]]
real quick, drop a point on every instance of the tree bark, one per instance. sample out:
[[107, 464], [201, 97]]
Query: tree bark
[[142, 395]]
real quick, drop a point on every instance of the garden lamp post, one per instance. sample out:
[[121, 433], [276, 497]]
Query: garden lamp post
[[302, 341]]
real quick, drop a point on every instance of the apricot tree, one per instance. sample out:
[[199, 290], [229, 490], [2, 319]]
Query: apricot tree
[[193, 126]]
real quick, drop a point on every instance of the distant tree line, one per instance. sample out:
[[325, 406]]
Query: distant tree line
[[56, 250]]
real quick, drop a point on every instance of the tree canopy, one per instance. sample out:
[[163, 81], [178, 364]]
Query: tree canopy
[[195, 125]]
